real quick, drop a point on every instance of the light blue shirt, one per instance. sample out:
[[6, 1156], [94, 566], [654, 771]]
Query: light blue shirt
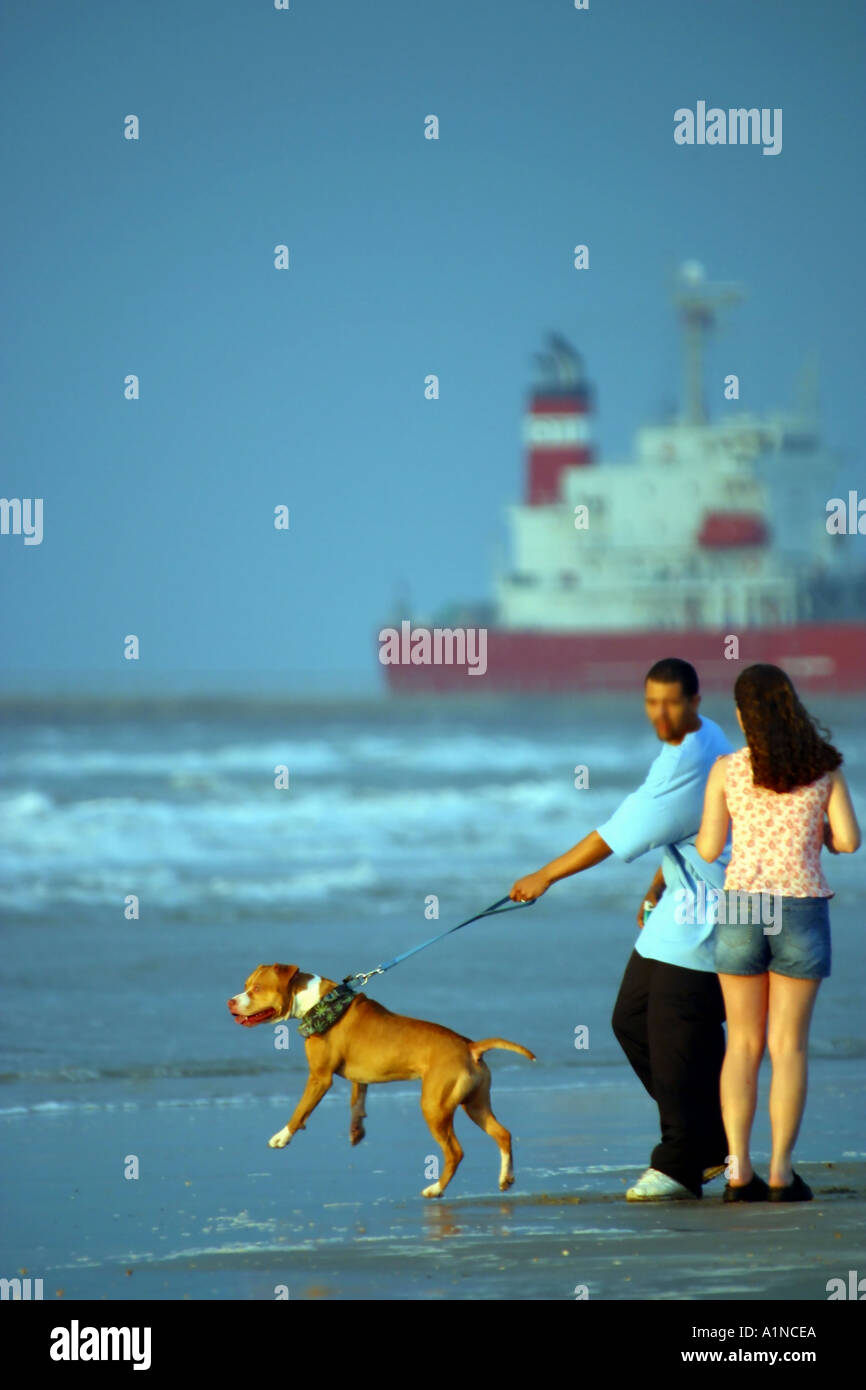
[[665, 813]]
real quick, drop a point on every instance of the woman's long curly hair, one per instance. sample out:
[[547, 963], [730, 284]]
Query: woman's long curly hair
[[788, 747]]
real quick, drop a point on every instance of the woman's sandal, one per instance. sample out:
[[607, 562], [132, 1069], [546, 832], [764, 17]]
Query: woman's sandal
[[755, 1190], [796, 1191]]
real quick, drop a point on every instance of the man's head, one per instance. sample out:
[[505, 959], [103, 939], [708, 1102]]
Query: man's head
[[671, 698]]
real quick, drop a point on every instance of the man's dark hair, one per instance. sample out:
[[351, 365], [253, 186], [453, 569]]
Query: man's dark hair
[[672, 671]]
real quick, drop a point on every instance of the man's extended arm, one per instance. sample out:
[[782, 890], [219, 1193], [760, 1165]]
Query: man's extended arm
[[590, 850]]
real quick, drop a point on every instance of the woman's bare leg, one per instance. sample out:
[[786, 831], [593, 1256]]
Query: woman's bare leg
[[746, 1001], [790, 1013]]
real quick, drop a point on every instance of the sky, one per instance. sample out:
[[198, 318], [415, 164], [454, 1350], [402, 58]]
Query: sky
[[304, 387]]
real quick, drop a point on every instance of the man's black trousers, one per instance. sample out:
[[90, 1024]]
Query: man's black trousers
[[668, 1021]]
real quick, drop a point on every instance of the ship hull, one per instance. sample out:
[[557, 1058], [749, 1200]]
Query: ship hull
[[817, 657]]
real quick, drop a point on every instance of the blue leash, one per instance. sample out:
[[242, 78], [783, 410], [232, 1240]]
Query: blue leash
[[492, 911]]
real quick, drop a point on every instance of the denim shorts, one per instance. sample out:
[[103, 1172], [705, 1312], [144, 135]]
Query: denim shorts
[[788, 936]]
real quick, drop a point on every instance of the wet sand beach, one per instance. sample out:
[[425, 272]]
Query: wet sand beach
[[216, 1214]]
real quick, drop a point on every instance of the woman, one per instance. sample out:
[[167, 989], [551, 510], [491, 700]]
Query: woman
[[775, 792]]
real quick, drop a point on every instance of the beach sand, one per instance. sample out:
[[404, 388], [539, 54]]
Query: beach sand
[[217, 1215]]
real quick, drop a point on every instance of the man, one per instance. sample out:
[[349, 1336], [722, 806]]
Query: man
[[669, 1012]]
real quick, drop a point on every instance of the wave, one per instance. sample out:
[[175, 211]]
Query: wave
[[346, 755], [552, 1077], [391, 1093], [304, 846]]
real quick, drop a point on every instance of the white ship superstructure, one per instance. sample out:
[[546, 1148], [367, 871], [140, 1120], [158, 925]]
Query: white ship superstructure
[[709, 526], [710, 530]]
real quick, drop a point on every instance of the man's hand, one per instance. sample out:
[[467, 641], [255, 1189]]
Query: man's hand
[[527, 889], [590, 850], [642, 908], [652, 895]]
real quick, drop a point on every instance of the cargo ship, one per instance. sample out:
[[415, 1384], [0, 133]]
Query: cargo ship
[[723, 542]]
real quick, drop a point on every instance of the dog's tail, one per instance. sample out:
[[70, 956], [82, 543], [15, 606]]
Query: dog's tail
[[486, 1044]]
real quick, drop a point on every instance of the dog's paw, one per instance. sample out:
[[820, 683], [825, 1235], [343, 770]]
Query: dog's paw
[[280, 1139], [506, 1182], [356, 1134], [434, 1190]]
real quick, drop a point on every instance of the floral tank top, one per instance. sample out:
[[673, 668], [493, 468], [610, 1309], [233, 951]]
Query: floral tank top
[[776, 837]]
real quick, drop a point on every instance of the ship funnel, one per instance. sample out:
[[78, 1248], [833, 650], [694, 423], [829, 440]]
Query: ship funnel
[[557, 431]]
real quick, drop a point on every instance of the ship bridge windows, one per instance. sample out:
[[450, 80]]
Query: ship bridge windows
[[739, 489], [770, 610], [729, 608], [693, 612], [596, 506]]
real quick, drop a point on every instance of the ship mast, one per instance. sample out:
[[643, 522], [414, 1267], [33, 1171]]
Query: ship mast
[[697, 301]]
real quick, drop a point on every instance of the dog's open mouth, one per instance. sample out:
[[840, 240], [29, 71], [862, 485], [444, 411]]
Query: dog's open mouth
[[250, 1019]]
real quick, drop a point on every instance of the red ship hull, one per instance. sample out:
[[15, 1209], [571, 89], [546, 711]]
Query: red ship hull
[[829, 657]]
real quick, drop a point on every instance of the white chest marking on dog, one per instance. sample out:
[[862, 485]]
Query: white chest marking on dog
[[306, 997]]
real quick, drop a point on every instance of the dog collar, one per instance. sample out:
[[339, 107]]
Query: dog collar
[[327, 1011]]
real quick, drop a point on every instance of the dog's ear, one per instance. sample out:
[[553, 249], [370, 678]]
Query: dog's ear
[[286, 973]]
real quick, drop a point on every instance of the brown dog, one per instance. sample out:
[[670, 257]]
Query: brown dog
[[369, 1044]]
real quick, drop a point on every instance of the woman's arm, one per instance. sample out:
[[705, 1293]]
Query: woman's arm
[[844, 832], [716, 818]]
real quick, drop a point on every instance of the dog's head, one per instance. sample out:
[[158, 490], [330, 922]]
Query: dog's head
[[267, 995]]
